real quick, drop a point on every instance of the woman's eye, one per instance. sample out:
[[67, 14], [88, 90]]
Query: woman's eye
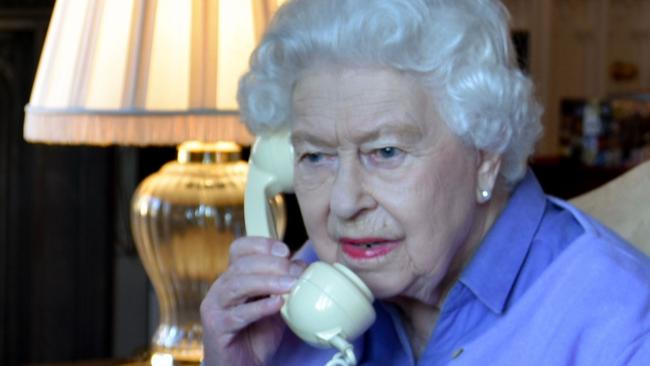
[[386, 157], [312, 158], [388, 152]]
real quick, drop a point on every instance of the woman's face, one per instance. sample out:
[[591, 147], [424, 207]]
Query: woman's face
[[383, 185]]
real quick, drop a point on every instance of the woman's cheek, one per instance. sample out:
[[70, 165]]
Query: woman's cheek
[[313, 200]]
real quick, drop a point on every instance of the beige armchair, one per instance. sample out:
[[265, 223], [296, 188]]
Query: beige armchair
[[623, 204]]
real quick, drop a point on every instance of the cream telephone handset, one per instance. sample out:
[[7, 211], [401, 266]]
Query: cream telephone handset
[[329, 306], [270, 171]]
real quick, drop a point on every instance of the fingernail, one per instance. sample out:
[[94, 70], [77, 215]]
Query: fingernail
[[295, 269], [279, 250], [287, 282]]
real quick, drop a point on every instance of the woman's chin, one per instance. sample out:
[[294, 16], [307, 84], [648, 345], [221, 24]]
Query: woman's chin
[[384, 284], [382, 290]]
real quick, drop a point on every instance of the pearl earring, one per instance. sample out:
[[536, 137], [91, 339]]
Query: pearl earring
[[485, 195]]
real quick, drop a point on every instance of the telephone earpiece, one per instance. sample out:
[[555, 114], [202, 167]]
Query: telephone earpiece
[[270, 171]]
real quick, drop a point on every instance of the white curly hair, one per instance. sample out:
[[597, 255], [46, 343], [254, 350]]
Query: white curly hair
[[459, 49]]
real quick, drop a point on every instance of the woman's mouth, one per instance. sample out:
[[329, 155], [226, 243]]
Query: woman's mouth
[[367, 248]]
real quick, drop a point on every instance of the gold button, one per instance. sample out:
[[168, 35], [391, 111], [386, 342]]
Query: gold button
[[457, 353]]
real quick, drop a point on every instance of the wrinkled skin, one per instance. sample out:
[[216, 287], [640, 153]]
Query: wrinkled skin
[[373, 160], [240, 315]]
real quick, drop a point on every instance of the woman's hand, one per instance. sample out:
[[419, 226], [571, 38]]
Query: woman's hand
[[240, 313]]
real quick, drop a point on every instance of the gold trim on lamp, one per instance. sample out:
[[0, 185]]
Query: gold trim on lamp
[[138, 129]]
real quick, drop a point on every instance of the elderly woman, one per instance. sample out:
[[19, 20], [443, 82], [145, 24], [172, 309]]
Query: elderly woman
[[412, 126]]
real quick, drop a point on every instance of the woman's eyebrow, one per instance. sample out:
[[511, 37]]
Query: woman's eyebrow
[[405, 131], [301, 137], [398, 128]]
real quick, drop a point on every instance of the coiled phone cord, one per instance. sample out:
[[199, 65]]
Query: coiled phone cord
[[345, 356]]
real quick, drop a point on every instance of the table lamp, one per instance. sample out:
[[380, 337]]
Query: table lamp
[[160, 72]]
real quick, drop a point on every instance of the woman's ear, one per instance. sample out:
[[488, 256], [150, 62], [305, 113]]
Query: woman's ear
[[487, 172]]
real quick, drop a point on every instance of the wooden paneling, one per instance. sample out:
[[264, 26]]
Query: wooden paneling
[[13, 277], [23, 5], [55, 221], [71, 253]]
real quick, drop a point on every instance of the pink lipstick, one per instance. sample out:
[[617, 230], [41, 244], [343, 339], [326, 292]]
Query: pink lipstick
[[367, 248]]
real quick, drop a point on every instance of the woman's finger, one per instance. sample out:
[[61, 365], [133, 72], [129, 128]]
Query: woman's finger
[[235, 290], [251, 245], [265, 264], [239, 317]]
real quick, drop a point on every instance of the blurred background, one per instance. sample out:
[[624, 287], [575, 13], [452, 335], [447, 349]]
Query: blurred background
[[72, 287]]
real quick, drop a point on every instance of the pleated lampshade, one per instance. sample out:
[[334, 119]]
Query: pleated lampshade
[[144, 72]]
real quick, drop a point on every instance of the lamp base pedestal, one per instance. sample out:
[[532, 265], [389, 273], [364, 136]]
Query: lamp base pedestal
[[183, 219]]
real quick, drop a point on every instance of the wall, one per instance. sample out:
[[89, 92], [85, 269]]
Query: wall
[[573, 46]]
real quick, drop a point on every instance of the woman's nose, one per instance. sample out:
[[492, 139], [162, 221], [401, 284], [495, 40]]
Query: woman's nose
[[350, 195]]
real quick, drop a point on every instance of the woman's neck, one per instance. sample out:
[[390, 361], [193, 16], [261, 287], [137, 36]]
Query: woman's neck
[[419, 320], [420, 317]]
